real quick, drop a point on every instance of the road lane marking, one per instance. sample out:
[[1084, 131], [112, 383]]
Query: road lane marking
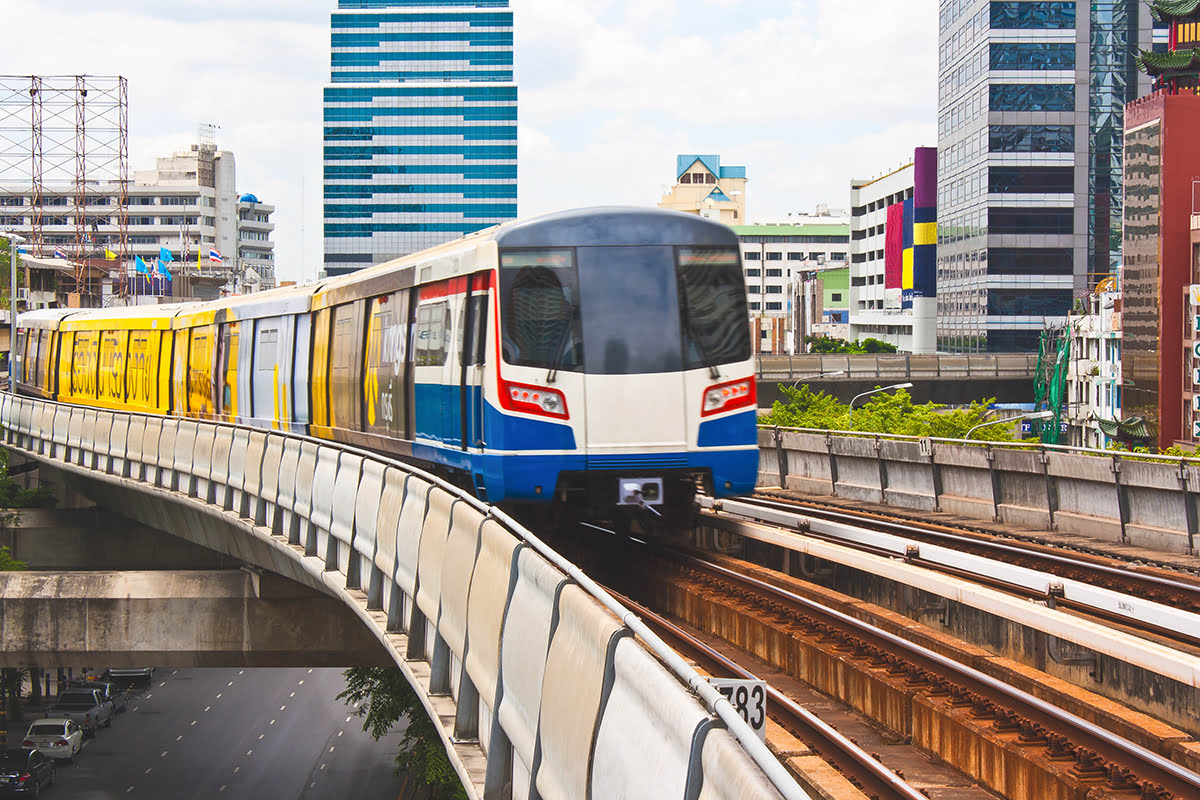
[[250, 751], [193, 722], [229, 684], [322, 766], [130, 789], [163, 754], [237, 770], [310, 671], [281, 708], [148, 770], [272, 722], [331, 749], [174, 671], [222, 788], [208, 708], [340, 733], [260, 736], [301, 683], [293, 694], [163, 683], [177, 738], [348, 719], [218, 695], [241, 672]]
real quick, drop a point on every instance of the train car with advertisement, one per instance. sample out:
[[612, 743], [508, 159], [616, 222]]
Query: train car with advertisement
[[600, 358]]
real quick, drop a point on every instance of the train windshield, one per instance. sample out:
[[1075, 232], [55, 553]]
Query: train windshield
[[623, 310]]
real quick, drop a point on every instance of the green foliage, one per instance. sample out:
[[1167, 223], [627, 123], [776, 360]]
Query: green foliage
[[830, 345], [383, 697], [893, 413], [12, 496], [10, 564]]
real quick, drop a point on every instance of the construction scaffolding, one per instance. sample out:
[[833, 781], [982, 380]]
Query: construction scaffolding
[[64, 144], [1050, 380]]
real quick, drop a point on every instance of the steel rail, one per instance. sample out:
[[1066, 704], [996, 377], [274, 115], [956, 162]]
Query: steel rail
[[884, 778], [1173, 772], [1131, 609]]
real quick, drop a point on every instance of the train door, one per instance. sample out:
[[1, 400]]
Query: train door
[[320, 370], [265, 372], [473, 334], [227, 396], [293, 391], [432, 334], [635, 386], [345, 367], [385, 378], [201, 371]]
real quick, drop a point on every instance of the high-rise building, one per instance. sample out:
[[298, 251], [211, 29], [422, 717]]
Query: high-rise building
[[420, 126], [1162, 183], [1031, 101]]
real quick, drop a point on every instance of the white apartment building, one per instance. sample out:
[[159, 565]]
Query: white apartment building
[[187, 204], [1093, 392]]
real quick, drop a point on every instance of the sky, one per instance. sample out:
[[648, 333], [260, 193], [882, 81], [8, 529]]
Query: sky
[[806, 94]]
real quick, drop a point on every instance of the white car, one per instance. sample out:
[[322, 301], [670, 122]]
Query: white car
[[55, 738]]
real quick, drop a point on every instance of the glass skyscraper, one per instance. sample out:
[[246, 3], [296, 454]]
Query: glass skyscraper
[[420, 126], [1031, 102]]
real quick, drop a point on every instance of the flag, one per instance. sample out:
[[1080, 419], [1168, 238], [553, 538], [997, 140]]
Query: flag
[[215, 257], [141, 267], [58, 253], [162, 270], [198, 251], [165, 255], [25, 250], [109, 255]]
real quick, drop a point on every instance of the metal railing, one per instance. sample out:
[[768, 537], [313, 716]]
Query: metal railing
[[417, 558], [864, 366]]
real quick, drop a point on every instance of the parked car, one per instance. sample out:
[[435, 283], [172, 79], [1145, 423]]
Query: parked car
[[24, 772], [58, 738], [111, 691], [88, 707], [130, 674]]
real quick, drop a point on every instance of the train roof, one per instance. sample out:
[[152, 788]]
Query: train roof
[[271, 303], [581, 227]]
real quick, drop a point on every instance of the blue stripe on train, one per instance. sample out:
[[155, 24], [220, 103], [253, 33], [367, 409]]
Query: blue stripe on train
[[518, 477]]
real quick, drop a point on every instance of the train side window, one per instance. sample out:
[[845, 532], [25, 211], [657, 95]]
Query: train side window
[[475, 352], [433, 325]]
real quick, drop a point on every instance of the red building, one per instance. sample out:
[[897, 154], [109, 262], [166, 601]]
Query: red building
[[1162, 163]]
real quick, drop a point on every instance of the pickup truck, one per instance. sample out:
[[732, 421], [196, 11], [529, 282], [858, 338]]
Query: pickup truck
[[88, 707]]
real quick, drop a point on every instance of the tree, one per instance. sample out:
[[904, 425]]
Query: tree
[[831, 345], [383, 697], [893, 413]]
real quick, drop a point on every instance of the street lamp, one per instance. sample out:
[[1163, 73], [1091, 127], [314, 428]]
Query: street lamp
[[14, 239], [1031, 415], [850, 415]]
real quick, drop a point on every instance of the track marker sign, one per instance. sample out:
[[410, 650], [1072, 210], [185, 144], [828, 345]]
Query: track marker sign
[[748, 698]]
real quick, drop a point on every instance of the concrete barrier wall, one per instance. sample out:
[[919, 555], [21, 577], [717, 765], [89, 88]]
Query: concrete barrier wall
[[1150, 501], [511, 648]]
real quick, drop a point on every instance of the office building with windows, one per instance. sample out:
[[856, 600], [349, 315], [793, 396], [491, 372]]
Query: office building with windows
[[1031, 103], [188, 205], [784, 269], [420, 134], [893, 255]]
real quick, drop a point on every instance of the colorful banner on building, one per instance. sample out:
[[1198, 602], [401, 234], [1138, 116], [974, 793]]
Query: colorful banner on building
[[925, 232], [893, 246]]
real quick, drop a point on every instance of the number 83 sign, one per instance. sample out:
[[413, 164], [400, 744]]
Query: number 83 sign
[[748, 698]]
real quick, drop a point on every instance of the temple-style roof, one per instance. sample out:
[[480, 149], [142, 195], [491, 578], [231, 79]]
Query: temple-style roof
[[1181, 60], [1164, 10], [1135, 428]]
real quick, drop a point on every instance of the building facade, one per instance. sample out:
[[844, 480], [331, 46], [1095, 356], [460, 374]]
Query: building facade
[[1161, 180], [1094, 382], [893, 278], [704, 186], [188, 205], [783, 266], [1031, 102], [420, 142]]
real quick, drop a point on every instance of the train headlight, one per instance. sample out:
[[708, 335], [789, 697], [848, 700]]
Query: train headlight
[[533, 400], [728, 396]]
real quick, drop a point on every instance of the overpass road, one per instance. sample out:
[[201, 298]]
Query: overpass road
[[253, 733]]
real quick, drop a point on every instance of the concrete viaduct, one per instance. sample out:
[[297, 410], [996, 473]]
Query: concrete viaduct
[[542, 684]]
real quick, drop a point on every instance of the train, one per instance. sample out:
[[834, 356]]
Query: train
[[595, 358]]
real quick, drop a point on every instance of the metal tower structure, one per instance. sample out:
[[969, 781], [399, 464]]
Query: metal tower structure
[[64, 143]]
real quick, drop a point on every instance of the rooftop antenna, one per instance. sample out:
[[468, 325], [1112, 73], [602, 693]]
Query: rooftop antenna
[[206, 134]]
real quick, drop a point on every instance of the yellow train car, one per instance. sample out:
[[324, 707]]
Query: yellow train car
[[118, 359]]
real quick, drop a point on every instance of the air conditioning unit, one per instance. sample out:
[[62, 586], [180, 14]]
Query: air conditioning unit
[[23, 293]]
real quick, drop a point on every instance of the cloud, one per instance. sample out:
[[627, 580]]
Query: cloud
[[806, 93]]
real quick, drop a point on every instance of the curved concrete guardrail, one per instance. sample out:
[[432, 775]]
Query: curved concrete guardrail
[[1150, 501], [544, 686]]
